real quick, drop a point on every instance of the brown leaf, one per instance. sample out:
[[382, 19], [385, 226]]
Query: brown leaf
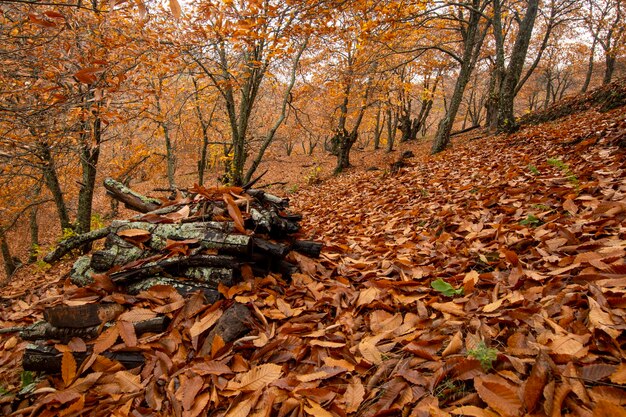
[[473, 411], [128, 382], [619, 376], [234, 213], [539, 376], [190, 390], [353, 397], [455, 345], [498, 394], [175, 8], [243, 406]]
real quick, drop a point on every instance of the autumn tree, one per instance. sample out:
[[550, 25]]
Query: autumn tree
[[604, 21], [240, 46]]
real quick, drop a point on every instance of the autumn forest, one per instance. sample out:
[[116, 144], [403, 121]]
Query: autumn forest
[[313, 208]]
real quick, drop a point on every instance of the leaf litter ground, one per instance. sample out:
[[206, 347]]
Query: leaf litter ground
[[527, 232]]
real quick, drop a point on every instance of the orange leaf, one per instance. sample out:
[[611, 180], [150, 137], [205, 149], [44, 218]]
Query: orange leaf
[[191, 389], [88, 75], [256, 378], [68, 368], [175, 8], [234, 213], [106, 340], [127, 333], [606, 409], [133, 233]]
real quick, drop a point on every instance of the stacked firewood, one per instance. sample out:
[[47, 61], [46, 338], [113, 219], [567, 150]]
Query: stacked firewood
[[202, 240]]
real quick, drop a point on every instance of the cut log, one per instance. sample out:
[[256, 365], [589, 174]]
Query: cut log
[[275, 250], [233, 324], [75, 242], [116, 251], [45, 330], [178, 264], [47, 359], [268, 198], [183, 287], [82, 316], [210, 235], [307, 247], [131, 199]]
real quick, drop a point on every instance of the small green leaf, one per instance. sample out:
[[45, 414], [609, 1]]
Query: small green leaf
[[445, 288]]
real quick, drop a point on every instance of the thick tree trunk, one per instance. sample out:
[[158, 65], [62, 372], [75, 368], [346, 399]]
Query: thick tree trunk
[[345, 141]]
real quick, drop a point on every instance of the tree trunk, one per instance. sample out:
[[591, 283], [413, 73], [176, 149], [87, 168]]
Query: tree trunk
[[472, 43], [590, 65], [34, 233], [392, 123], [345, 141], [52, 182], [9, 263], [506, 116], [89, 155], [609, 60], [378, 129]]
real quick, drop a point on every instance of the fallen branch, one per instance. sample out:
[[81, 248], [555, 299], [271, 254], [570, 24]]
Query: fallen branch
[[66, 246], [131, 199]]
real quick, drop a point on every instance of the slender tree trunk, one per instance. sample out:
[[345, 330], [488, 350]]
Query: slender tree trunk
[[34, 233], [281, 117], [89, 156], [506, 115], [590, 65], [204, 126], [472, 44], [52, 183], [378, 129], [391, 129]]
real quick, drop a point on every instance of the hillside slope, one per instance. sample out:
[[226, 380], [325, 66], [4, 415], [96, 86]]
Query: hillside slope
[[523, 238]]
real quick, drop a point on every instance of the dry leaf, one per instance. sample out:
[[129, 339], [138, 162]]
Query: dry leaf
[[498, 394], [256, 378]]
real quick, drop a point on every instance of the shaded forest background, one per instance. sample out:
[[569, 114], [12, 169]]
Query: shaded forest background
[[166, 95]]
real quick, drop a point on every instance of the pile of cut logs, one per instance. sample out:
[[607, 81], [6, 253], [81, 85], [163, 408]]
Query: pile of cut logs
[[199, 240]]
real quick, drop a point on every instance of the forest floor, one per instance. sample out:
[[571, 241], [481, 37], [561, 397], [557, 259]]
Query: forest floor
[[487, 280]]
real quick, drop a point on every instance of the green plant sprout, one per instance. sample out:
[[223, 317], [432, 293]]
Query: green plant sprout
[[445, 288], [485, 355]]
